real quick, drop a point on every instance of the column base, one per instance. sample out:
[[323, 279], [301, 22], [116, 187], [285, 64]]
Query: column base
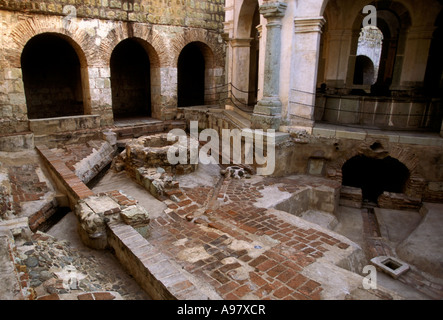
[[267, 114], [261, 121]]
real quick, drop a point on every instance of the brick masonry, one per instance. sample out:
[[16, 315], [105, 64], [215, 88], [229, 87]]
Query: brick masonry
[[239, 251], [75, 188], [249, 252]]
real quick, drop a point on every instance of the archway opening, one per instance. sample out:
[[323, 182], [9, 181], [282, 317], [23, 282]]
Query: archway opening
[[191, 76], [130, 80], [364, 71], [375, 176], [52, 78]]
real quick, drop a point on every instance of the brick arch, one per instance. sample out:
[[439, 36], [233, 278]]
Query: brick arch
[[402, 154], [209, 40], [82, 43], [152, 41]]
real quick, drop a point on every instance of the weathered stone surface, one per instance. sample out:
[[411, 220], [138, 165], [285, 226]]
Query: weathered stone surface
[[135, 215]]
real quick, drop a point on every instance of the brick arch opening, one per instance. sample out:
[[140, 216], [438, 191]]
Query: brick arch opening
[[134, 69], [53, 77], [375, 176], [195, 75]]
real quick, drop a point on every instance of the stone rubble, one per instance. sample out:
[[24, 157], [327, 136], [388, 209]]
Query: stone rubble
[[47, 266]]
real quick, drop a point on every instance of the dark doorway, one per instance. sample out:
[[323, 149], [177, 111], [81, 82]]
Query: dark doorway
[[191, 76], [130, 80], [375, 176], [52, 78], [364, 71]]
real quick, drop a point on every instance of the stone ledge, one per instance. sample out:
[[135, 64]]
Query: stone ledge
[[16, 142], [322, 130], [152, 269]]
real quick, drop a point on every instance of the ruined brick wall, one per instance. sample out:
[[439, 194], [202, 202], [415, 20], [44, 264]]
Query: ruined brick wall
[[94, 28]]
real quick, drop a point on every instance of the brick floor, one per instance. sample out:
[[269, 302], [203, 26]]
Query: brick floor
[[25, 185], [232, 233]]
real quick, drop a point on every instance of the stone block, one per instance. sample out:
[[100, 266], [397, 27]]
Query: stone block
[[135, 215], [101, 204], [390, 265], [14, 143]]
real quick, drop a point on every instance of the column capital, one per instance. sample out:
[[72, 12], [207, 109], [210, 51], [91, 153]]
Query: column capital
[[309, 24], [273, 9]]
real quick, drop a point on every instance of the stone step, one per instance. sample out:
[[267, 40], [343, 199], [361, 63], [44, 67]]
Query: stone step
[[136, 130], [244, 114], [237, 119]]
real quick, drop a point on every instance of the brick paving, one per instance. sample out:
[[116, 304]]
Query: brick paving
[[244, 252], [25, 185]]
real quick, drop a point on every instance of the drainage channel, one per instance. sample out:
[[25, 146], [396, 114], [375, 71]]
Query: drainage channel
[[382, 256]]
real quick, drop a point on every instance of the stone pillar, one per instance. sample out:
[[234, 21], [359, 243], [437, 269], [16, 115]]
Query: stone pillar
[[241, 50], [168, 93], [98, 85], [340, 64], [416, 56], [267, 112], [306, 55]]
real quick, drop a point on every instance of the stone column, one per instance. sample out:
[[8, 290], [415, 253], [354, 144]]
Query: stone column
[[416, 56], [340, 64], [241, 50], [267, 112], [304, 74]]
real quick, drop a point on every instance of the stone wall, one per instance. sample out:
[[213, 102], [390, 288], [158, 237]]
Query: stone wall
[[198, 13], [163, 28]]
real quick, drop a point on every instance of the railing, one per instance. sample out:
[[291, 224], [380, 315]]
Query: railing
[[232, 96], [392, 113]]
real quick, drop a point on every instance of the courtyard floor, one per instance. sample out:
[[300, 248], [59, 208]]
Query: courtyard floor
[[230, 239]]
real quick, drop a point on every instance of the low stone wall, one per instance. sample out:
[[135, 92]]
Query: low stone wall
[[351, 197], [399, 201], [16, 142], [152, 269], [392, 113], [323, 198]]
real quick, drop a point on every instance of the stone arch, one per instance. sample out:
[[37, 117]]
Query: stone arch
[[82, 43], [245, 19], [149, 38], [155, 47], [213, 50]]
